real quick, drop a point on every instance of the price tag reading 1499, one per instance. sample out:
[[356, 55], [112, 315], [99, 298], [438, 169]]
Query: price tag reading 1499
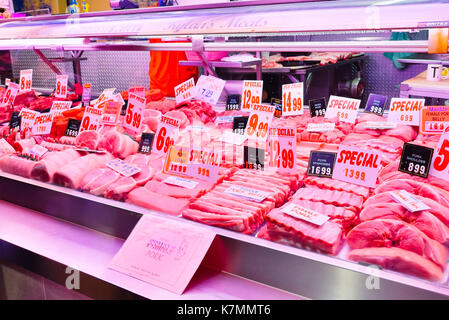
[[282, 148], [134, 113], [259, 121], [292, 99], [166, 134]]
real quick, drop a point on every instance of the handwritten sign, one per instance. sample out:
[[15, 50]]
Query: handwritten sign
[[405, 111], [134, 114], [299, 212], [106, 95], [292, 99], [282, 149], [42, 124], [259, 121], [167, 132], [163, 252], [58, 107], [345, 109], [247, 193], [61, 86], [410, 202], [26, 78], [208, 89], [357, 166], [124, 168], [251, 94], [91, 119], [184, 91], [433, 119]]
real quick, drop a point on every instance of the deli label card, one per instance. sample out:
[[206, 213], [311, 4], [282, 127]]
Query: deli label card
[[185, 91], [163, 252], [357, 166], [233, 102], [140, 91], [91, 119], [203, 164], [253, 158], [122, 167], [37, 151], [317, 107], [376, 104], [320, 127], [146, 142], [73, 128], [299, 212], [405, 111], [321, 164], [345, 109], [177, 161], [433, 119], [292, 99], [181, 182], [247, 193], [409, 201], [415, 160]]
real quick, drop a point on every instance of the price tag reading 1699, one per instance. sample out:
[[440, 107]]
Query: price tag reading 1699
[[166, 134]]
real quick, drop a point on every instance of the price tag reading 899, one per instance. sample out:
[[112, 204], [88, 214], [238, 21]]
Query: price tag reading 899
[[134, 113], [61, 86], [26, 78], [282, 149], [259, 121], [440, 163], [166, 134]]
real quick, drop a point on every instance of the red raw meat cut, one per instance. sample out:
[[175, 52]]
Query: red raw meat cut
[[334, 197], [45, 168], [419, 188], [423, 220], [326, 183], [398, 260], [71, 174], [120, 145], [87, 139], [17, 165], [264, 207], [25, 98], [326, 238], [154, 201], [396, 233], [365, 117], [143, 163], [97, 181], [438, 210]]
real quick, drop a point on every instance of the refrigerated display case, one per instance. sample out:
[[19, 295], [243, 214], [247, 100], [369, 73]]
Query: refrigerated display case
[[47, 226]]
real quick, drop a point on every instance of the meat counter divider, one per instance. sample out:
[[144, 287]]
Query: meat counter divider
[[298, 271]]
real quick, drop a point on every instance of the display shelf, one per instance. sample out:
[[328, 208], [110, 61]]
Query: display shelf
[[249, 17], [294, 270], [223, 64], [90, 252], [420, 86]]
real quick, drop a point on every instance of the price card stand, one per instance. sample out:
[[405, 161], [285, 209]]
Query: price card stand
[[162, 252], [416, 160], [254, 158]]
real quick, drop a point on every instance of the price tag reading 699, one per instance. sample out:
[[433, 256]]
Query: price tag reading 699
[[166, 134]]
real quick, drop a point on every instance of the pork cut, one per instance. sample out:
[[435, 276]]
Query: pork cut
[[98, 180], [331, 184], [17, 165], [46, 168], [334, 197], [119, 144], [394, 233], [398, 259], [87, 139], [154, 201]]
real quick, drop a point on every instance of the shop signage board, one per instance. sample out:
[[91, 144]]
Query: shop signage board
[[163, 252]]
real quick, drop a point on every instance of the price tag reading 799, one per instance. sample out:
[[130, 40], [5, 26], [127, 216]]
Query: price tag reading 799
[[134, 113], [259, 121], [440, 163], [166, 134]]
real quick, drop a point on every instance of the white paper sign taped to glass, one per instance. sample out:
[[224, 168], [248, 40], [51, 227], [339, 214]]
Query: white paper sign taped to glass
[[208, 89]]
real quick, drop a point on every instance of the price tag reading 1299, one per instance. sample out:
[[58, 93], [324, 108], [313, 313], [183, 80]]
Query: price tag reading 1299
[[282, 148], [134, 113], [251, 94], [259, 121], [91, 119], [440, 161], [166, 134]]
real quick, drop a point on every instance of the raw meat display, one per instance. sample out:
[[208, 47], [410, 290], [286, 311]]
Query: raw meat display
[[119, 144], [46, 168], [98, 180]]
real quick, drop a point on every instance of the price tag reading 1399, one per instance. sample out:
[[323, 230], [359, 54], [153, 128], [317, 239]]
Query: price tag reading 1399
[[134, 113], [259, 121], [251, 94], [166, 134], [282, 148]]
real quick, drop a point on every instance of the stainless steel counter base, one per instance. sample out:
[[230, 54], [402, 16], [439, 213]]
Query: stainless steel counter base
[[302, 272]]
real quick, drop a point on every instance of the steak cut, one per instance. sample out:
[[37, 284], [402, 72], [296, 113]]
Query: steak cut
[[395, 233], [119, 144], [97, 181], [400, 260], [17, 165]]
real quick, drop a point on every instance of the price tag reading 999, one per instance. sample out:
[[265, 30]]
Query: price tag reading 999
[[166, 134], [26, 78], [61, 86], [10, 94], [203, 164], [292, 99], [440, 162], [91, 119], [134, 114], [282, 149], [258, 122], [251, 94]]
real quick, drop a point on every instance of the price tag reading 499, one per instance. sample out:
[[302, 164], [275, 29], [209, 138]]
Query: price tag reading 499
[[292, 99], [357, 166], [259, 121], [440, 162], [282, 148], [166, 134], [134, 113]]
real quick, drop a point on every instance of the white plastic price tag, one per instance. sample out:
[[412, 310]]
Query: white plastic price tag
[[292, 99], [61, 86], [251, 94], [133, 120]]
